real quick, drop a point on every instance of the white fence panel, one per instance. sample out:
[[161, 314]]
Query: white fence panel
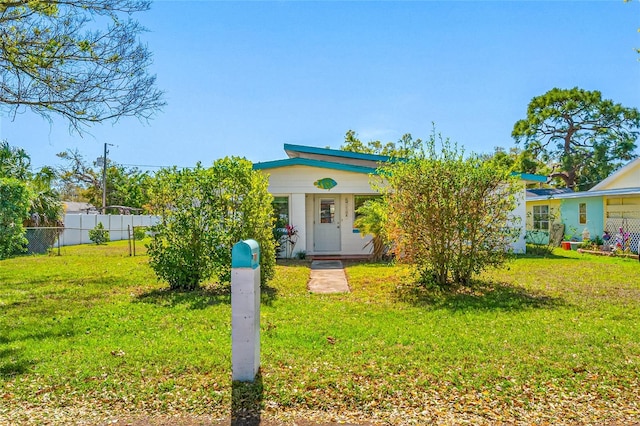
[[72, 233], [77, 226], [88, 222]]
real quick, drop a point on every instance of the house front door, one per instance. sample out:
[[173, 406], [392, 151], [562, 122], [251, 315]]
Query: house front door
[[326, 232]]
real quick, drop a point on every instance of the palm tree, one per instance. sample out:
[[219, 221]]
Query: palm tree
[[371, 221], [45, 208]]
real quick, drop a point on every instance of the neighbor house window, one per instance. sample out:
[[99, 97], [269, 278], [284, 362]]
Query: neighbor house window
[[583, 213], [541, 218]]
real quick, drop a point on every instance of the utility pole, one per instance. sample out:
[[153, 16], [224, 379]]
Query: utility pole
[[103, 160], [104, 180]]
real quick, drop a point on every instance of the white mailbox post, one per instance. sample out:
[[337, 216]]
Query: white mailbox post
[[245, 310]]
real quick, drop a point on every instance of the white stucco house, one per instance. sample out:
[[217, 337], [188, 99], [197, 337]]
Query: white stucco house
[[318, 190]]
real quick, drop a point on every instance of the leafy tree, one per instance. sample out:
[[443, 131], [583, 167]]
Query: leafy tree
[[449, 214], [204, 213], [14, 162], [43, 202], [516, 160], [80, 180], [125, 186], [581, 135], [45, 208], [404, 147], [80, 59], [14, 209]]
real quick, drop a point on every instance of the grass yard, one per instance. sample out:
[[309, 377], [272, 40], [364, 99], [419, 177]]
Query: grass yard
[[90, 337]]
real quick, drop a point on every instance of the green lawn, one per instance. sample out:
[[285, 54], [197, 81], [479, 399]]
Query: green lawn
[[91, 336]]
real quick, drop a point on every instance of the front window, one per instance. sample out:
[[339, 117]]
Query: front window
[[541, 218], [583, 213], [281, 211]]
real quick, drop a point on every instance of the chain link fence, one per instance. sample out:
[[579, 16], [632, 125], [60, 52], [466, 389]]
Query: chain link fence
[[50, 240]]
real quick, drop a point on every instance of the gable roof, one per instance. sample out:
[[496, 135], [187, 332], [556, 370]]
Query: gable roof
[[630, 167], [297, 150], [335, 155]]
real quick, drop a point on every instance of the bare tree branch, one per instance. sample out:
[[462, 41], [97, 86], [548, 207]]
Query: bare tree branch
[[52, 64]]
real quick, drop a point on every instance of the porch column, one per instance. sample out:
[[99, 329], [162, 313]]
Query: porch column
[[298, 219]]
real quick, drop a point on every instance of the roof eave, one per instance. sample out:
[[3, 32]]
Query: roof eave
[[297, 161], [335, 153]]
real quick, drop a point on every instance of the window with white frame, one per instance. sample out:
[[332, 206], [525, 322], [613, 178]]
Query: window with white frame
[[582, 213], [281, 211], [541, 218]]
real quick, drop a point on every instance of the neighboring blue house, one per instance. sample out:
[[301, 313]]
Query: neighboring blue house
[[612, 204]]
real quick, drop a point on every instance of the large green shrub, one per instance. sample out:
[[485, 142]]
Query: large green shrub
[[14, 209], [449, 214], [204, 213], [44, 210]]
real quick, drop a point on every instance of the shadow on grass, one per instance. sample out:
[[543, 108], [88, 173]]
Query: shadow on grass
[[550, 256], [12, 369], [481, 295], [200, 299], [11, 364], [246, 402]]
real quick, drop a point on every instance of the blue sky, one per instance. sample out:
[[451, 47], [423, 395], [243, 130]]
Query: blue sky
[[243, 78]]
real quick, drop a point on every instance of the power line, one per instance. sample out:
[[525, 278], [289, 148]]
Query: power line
[[155, 166]]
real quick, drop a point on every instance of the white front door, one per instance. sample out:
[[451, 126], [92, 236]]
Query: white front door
[[326, 231]]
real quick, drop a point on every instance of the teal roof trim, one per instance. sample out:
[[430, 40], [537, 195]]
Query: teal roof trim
[[313, 163], [336, 153], [530, 177]]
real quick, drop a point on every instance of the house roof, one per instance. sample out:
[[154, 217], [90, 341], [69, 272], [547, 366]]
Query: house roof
[[615, 175], [313, 163], [301, 150], [336, 159], [78, 207], [588, 194], [528, 177], [326, 158], [546, 192]]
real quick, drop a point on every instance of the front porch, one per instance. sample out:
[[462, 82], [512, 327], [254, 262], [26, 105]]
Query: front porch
[[317, 192]]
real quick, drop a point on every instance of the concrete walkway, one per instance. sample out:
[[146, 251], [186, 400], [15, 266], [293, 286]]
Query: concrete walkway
[[327, 276]]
